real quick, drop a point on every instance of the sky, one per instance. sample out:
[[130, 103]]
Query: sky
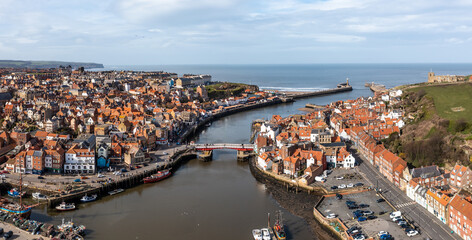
[[148, 32]]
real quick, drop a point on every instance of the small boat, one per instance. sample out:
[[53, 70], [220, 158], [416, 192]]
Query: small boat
[[65, 206], [15, 193], [257, 234], [158, 177], [279, 226], [87, 198], [116, 191], [39, 196], [69, 226], [265, 234]]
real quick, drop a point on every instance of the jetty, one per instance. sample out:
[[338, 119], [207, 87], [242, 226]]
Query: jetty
[[376, 88], [342, 87]]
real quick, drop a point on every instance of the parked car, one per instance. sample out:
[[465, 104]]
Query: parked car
[[412, 233], [361, 219], [350, 185], [358, 184], [339, 196], [366, 213], [334, 187], [124, 170], [339, 177], [40, 177], [352, 229], [362, 205], [395, 214], [382, 213], [342, 186], [386, 237], [397, 219], [382, 233], [404, 226], [5, 172], [380, 200], [371, 217], [320, 179], [401, 222], [331, 215], [359, 237], [8, 235]]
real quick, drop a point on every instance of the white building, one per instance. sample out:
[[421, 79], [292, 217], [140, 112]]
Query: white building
[[80, 160]]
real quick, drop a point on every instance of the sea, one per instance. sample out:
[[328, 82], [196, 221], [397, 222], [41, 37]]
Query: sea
[[311, 77]]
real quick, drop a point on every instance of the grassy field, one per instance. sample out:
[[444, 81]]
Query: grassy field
[[452, 102]]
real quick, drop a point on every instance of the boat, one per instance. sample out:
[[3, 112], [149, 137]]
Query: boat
[[69, 226], [116, 191], [87, 198], [265, 234], [158, 177], [65, 206], [257, 234], [14, 208], [279, 226], [39, 196], [15, 193]]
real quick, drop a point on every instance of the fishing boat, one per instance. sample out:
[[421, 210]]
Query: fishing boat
[[116, 191], [15, 193], [69, 226], [279, 226], [39, 196], [87, 198], [14, 208], [65, 206], [157, 177], [257, 234], [265, 234]]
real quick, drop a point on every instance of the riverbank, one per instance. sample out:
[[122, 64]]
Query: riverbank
[[299, 203]]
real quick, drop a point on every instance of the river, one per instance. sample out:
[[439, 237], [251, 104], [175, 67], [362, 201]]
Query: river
[[203, 200]]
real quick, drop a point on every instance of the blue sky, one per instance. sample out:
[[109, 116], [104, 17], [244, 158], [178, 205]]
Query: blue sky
[[236, 31]]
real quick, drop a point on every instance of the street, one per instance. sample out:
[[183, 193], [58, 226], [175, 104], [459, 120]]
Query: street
[[429, 225]]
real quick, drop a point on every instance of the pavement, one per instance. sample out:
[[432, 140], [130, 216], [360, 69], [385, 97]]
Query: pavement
[[18, 233], [428, 224]]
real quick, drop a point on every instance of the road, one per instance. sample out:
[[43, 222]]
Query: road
[[429, 225]]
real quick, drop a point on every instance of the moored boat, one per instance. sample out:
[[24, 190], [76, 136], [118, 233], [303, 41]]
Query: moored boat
[[257, 234], [14, 208], [87, 198], [116, 191], [15, 193], [279, 226], [65, 206], [39, 196], [157, 177], [265, 234]]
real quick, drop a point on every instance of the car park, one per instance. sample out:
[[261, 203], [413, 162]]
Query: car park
[[411, 233]]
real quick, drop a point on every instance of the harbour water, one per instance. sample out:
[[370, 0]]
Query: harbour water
[[220, 199]]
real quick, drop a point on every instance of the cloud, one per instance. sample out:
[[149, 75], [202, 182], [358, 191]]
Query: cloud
[[330, 38]]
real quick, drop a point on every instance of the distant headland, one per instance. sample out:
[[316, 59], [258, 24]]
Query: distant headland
[[46, 64]]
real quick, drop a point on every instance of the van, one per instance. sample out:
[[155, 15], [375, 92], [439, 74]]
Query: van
[[395, 214]]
